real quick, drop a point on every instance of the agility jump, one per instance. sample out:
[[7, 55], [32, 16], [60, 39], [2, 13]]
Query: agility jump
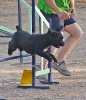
[[32, 74]]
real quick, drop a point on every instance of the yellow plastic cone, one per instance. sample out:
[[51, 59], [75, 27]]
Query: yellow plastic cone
[[26, 78]]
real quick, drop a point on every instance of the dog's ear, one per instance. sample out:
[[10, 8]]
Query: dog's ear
[[49, 31], [18, 28], [59, 29]]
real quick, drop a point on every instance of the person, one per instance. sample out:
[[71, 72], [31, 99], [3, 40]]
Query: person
[[62, 12]]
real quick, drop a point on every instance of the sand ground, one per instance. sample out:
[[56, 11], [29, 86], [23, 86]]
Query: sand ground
[[69, 88]]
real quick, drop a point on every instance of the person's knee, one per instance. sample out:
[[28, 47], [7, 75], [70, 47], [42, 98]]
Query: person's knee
[[78, 34]]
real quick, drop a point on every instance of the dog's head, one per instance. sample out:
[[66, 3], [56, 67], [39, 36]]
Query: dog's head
[[56, 37]]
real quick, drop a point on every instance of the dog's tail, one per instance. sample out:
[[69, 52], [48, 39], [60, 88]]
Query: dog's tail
[[18, 28]]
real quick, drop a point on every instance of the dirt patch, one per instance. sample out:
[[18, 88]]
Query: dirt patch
[[69, 88], [81, 1]]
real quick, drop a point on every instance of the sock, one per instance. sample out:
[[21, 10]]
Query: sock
[[60, 62]]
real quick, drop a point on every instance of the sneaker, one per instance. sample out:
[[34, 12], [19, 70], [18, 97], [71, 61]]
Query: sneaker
[[61, 67], [42, 78]]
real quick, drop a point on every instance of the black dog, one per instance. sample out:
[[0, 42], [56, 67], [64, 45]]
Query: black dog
[[36, 44]]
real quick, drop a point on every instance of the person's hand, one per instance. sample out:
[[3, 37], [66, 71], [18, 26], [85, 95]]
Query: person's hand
[[64, 15], [73, 12]]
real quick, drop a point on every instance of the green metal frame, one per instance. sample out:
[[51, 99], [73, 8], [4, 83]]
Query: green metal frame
[[6, 30]]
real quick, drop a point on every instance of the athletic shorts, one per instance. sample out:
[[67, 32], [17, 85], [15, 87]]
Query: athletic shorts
[[56, 21]]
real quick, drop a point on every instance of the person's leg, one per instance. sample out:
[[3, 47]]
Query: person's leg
[[75, 33], [56, 23]]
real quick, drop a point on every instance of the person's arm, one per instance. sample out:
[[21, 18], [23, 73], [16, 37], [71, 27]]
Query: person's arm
[[53, 6], [72, 4], [72, 8]]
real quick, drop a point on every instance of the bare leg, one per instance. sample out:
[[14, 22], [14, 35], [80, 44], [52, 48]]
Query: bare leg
[[75, 33]]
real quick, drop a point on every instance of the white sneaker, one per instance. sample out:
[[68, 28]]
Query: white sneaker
[[61, 68]]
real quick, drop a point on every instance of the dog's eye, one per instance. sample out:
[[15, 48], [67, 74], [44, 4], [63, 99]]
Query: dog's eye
[[61, 38]]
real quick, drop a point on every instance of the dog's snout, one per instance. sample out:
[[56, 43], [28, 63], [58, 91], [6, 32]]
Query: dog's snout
[[62, 44]]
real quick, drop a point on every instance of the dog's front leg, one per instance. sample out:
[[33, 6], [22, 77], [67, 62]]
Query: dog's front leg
[[45, 55], [55, 60]]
